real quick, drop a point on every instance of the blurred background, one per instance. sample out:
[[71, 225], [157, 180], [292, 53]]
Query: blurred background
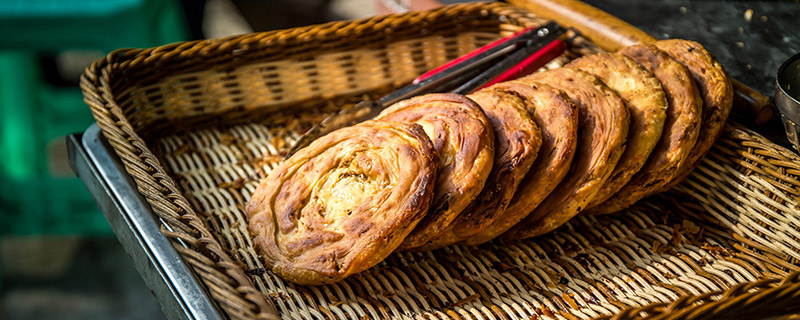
[[58, 256]]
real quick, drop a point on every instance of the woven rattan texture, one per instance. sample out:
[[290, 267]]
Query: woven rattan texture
[[197, 125], [665, 249]]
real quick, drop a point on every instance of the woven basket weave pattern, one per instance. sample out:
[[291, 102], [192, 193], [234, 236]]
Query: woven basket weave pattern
[[198, 124]]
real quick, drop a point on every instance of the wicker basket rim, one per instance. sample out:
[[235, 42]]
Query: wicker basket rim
[[162, 193]]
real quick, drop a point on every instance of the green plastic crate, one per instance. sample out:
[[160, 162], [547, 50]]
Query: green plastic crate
[[49, 206], [32, 115], [89, 24], [38, 192]]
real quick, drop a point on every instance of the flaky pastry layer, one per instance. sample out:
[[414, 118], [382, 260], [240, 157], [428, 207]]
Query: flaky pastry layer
[[557, 118], [684, 115], [517, 143], [647, 104], [343, 203], [715, 89], [464, 143], [603, 128]]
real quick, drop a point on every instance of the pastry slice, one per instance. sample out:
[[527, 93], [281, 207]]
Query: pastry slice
[[715, 89], [684, 115], [464, 142], [517, 143], [557, 117], [344, 202], [642, 94], [603, 128]]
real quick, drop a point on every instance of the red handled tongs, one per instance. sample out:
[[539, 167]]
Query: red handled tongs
[[505, 59]]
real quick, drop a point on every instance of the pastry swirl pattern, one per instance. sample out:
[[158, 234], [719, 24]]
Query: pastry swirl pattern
[[345, 202]]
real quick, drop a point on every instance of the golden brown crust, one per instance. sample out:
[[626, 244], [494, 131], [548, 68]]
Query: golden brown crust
[[715, 89], [684, 113], [646, 104], [517, 143], [557, 117], [344, 203], [464, 142], [603, 128]]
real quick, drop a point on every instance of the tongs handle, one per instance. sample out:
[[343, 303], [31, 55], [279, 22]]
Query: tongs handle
[[532, 63], [532, 43], [509, 57], [447, 73], [455, 63]]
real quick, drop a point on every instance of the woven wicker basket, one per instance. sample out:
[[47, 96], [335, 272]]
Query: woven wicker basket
[[198, 124]]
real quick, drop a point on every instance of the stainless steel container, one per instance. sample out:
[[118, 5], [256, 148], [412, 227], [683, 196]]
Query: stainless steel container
[[787, 98]]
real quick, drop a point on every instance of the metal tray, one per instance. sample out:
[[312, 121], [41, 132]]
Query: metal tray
[[165, 273]]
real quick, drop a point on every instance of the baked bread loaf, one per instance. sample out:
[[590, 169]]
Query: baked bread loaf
[[642, 94], [464, 143], [343, 203], [517, 143], [557, 117], [684, 114], [602, 132], [715, 89]]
